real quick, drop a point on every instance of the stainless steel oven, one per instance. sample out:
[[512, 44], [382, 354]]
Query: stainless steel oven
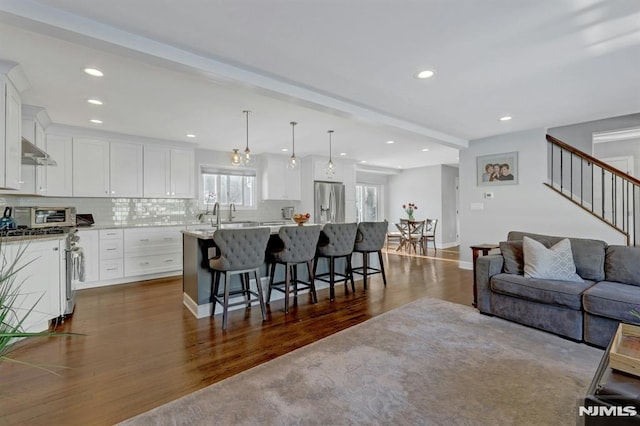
[[74, 259], [44, 217]]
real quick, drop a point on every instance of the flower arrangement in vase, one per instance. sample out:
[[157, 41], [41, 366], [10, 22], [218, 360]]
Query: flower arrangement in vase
[[409, 209]]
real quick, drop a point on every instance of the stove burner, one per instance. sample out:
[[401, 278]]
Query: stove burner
[[22, 232]]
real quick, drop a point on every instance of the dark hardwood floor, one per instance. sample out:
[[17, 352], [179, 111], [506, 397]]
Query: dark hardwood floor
[[141, 348]]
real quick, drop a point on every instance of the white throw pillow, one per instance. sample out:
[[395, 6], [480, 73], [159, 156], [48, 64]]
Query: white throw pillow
[[555, 263]]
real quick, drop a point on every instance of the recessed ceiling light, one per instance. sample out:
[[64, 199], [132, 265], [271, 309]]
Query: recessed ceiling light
[[190, 135], [95, 121], [425, 74], [425, 149], [285, 150], [343, 153], [94, 101], [93, 72], [363, 161], [390, 142], [506, 118]]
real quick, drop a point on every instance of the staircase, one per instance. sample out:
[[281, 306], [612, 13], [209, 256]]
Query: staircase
[[604, 191]]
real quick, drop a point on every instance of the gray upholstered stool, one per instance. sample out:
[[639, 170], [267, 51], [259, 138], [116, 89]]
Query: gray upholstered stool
[[298, 246], [336, 241], [241, 251], [370, 239]]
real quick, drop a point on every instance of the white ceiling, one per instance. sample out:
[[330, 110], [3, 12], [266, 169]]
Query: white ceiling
[[192, 66]]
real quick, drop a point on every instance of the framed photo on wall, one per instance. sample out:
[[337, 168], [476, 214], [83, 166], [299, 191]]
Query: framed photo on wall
[[497, 169]]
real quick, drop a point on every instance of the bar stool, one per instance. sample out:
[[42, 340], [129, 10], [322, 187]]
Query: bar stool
[[298, 246], [241, 251], [336, 241], [370, 239]]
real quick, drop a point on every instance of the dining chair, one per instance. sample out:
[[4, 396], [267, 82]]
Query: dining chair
[[413, 236], [429, 233], [394, 235]]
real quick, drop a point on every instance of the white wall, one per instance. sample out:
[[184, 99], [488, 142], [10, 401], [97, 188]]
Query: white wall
[[432, 189], [529, 206]]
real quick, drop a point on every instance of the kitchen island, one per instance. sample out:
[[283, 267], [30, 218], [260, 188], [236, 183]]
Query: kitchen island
[[198, 248]]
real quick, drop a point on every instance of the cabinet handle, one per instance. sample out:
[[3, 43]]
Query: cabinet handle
[[113, 192], [168, 193], [111, 249], [173, 193], [168, 260], [144, 239], [55, 249], [168, 238], [112, 269], [144, 263]]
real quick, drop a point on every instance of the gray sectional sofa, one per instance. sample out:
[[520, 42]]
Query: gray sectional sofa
[[588, 311]]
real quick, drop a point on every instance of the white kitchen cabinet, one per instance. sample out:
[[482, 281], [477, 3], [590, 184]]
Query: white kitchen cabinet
[[10, 135], [34, 176], [111, 254], [90, 168], [278, 181], [320, 171], [125, 177], [106, 169], [168, 172], [60, 176], [152, 250], [40, 279], [90, 243]]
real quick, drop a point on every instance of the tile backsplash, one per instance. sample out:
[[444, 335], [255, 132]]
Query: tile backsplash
[[144, 211]]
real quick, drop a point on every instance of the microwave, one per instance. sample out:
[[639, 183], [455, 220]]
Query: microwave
[[44, 217]]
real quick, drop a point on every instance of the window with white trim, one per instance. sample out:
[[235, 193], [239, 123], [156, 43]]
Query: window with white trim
[[226, 186]]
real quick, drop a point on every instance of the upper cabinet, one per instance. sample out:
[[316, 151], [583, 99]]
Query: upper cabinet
[[106, 169], [168, 172], [10, 135], [90, 168], [278, 181], [34, 174], [126, 170], [320, 171], [60, 176]]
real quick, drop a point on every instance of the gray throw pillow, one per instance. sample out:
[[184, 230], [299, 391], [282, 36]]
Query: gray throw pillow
[[513, 258], [555, 263]]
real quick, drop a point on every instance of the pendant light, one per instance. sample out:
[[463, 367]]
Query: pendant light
[[293, 161], [236, 158], [331, 169], [248, 159]]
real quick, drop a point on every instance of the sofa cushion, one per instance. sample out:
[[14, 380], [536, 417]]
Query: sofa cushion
[[623, 264], [554, 263], [588, 255], [612, 300], [513, 257], [558, 293]]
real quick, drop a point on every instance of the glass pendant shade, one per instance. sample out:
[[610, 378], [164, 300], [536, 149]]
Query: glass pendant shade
[[331, 169], [248, 158], [236, 158], [293, 161]]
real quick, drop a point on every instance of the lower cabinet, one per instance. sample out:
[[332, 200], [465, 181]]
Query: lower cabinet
[[121, 255], [40, 273], [152, 250], [111, 254]]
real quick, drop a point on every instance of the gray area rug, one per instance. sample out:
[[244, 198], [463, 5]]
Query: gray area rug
[[430, 362]]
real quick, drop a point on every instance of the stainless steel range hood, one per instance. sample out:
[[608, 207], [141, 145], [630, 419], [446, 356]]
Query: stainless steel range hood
[[33, 155]]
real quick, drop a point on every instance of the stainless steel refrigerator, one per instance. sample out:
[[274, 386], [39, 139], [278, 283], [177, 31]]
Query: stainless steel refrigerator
[[329, 202]]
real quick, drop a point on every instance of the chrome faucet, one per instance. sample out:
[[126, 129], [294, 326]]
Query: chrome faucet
[[216, 213], [232, 208]]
